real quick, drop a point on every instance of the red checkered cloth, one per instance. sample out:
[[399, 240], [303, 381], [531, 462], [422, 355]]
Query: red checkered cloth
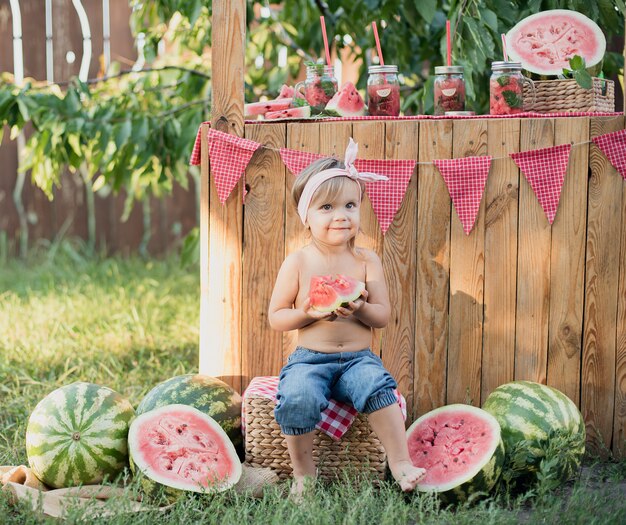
[[544, 169], [465, 179], [386, 196], [195, 154], [230, 155], [336, 419], [613, 145], [296, 161]]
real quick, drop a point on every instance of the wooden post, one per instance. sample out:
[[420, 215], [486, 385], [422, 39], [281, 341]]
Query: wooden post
[[221, 225]]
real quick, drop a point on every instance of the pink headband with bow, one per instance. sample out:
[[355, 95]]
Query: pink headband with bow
[[350, 171]]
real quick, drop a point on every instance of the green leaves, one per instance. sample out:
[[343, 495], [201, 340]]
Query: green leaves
[[579, 72]]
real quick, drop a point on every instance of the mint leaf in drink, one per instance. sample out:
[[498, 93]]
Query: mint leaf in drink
[[329, 87], [297, 102], [512, 99], [503, 80]]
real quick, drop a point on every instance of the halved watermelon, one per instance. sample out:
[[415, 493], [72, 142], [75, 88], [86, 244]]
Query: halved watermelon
[[181, 449], [347, 102], [545, 42], [461, 449]]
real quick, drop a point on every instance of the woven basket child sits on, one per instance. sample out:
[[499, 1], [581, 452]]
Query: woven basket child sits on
[[332, 358]]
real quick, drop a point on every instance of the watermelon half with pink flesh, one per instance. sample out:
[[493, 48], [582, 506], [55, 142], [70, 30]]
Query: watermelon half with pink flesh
[[461, 448], [347, 102], [329, 292], [545, 42], [179, 448], [299, 112]]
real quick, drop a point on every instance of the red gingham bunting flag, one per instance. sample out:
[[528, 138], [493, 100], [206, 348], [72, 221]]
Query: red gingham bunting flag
[[613, 145], [544, 169], [230, 155], [336, 418], [296, 161], [386, 196], [466, 179]]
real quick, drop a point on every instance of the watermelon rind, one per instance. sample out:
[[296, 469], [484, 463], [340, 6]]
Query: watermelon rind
[[77, 435], [208, 394], [479, 480], [555, 14], [538, 423], [152, 482]]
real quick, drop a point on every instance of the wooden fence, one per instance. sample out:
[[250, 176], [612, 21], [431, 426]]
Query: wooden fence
[[516, 299], [156, 226]]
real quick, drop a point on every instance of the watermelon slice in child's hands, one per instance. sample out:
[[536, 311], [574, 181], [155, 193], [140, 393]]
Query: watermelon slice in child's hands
[[329, 292]]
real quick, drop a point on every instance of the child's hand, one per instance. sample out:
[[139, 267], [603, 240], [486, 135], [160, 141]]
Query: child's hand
[[353, 306], [311, 312]]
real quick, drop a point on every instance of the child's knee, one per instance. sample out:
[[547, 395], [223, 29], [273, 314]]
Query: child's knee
[[298, 412]]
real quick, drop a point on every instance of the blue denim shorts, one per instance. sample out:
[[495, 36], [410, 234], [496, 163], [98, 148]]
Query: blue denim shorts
[[311, 378]]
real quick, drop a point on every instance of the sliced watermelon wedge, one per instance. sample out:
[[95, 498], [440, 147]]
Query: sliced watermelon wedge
[[329, 292], [461, 449], [182, 449], [261, 108], [299, 112], [347, 102]]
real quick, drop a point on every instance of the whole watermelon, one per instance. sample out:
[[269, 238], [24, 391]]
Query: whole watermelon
[[543, 433], [208, 394], [78, 435]]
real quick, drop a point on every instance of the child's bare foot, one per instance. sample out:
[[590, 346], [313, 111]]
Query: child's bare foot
[[300, 486], [407, 475]]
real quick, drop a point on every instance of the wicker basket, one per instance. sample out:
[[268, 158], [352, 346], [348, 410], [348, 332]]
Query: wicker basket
[[358, 449], [567, 95]]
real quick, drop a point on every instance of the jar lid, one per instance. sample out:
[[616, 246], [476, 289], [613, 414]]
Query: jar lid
[[447, 70], [506, 65], [382, 69]]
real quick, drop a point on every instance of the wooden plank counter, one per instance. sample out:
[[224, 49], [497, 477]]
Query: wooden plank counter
[[516, 299]]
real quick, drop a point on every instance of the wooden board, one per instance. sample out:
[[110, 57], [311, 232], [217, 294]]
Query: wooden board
[[533, 266], [264, 246], [619, 416], [599, 364], [301, 137], [220, 323], [501, 200], [467, 269], [567, 264], [399, 260], [432, 270]]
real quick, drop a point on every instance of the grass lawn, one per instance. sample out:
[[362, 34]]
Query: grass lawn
[[130, 323]]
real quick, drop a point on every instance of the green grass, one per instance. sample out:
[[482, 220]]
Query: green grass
[[130, 323]]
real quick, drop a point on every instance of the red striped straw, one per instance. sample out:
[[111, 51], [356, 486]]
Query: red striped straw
[[380, 53], [449, 48], [323, 24], [506, 55]]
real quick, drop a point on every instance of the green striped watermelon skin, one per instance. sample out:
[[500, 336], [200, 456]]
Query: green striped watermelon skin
[[530, 415], [205, 393], [78, 435]]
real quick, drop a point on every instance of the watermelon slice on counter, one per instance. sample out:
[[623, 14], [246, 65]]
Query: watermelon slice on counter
[[347, 102], [299, 112]]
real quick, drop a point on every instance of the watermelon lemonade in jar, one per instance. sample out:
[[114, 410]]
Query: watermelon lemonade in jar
[[506, 88], [449, 89], [383, 91], [320, 85]]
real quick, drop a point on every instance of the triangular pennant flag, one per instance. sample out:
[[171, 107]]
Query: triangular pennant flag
[[296, 161], [544, 169], [386, 196], [613, 145], [229, 156], [466, 179]]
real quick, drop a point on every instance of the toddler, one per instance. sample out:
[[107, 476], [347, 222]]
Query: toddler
[[332, 358]]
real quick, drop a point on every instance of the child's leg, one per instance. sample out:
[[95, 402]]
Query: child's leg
[[301, 455], [388, 424]]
